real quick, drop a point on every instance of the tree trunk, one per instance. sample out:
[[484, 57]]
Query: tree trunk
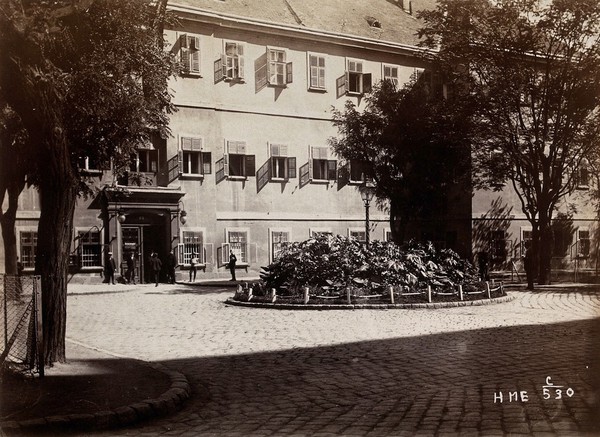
[[52, 261], [9, 239], [546, 245], [398, 222], [7, 221]]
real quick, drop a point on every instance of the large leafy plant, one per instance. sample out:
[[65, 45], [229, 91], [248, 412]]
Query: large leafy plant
[[334, 262]]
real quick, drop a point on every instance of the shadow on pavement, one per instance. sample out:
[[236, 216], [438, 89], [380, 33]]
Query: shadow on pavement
[[431, 383], [442, 382]]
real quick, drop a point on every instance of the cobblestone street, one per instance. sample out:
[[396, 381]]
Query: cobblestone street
[[364, 372]]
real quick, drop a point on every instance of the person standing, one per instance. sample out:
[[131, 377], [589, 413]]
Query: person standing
[[194, 261], [171, 264], [109, 269], [156, 265], [130, 273], [232, 261], [483, 261]]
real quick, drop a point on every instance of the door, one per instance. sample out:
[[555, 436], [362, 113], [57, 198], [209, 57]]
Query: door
[[133, 244]]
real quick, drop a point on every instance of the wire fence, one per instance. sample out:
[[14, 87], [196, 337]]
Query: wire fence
[[20, 318]]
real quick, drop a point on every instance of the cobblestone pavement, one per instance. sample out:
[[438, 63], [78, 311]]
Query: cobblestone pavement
[[259, 372]]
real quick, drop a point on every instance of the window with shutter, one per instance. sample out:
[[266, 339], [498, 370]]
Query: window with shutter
[[279, 73], [390, 73], [320, 165], [316, 72], [189, 54], [233, 61], [357, 82], [238, 163], [191, 156]]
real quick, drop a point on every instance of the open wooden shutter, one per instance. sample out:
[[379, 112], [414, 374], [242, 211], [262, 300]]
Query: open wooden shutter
[[218, 69], [183, 41], [225, 253], [291, 162], [240, 50], [249, 165], [341, 86], [261, 72], [288, 73], [194, 42], [263, 175], [304, 174], [184, 58], [367, 83], [331, 170], [174, 167], [195, 61]]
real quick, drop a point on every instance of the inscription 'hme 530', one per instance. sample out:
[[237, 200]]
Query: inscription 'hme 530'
[[549, 391]]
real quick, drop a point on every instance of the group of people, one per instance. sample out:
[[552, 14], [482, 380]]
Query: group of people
[[155, 263], [156, 266]]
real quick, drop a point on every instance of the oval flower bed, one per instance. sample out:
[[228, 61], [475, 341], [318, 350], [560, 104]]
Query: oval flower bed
[[339, 270]]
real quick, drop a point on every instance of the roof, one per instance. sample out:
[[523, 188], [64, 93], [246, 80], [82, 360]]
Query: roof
[[348, 17]]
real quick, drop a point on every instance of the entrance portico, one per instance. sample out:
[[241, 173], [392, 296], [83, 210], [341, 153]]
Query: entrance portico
[[139, 221]]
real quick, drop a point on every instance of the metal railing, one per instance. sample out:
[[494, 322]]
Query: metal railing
[[20, 316]]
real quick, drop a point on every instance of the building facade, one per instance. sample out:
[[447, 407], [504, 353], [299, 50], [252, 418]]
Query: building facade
[[248, 167]]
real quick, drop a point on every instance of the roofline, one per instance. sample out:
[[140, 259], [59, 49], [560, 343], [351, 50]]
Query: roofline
[[235, 21]]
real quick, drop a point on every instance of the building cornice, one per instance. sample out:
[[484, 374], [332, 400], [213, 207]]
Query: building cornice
[[314, 35]]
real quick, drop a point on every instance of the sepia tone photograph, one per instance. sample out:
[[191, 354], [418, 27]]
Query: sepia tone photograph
[[300, 218]]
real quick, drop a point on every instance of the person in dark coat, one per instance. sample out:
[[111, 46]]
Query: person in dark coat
[[483, 262], [110, 268], [232, 261], [171, 263], [156, 265], [130, 273]]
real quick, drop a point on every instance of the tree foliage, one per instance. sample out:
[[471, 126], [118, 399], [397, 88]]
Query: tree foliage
[[531, 71], [401, 135], [87, 79]]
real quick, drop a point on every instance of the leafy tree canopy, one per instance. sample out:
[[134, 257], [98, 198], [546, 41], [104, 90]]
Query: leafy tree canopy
[[401, 135], [531, 72], [93, 66]]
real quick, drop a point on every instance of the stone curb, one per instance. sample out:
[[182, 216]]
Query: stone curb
[[371, 306], [167, 403]]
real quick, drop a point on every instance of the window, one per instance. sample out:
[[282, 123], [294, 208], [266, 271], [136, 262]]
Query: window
[[583, 242], [390, 73], [282, 167], [357, 82], [526, 238], [89, 248], [192, 160], [359, 234], [279, 239], [144, 161], [238, 244], [583, 175], [233, 61], [357, 171], [316, 72], [191, 243], [279, 73], [387, 234], [498, 245], [317, 232], [323, 169], [189, 54], [237, 164], [28, 240]]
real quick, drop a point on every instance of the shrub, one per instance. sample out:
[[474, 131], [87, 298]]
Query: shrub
[[333, 262]]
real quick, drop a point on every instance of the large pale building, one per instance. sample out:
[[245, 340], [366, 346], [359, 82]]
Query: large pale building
[[248, 167]]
